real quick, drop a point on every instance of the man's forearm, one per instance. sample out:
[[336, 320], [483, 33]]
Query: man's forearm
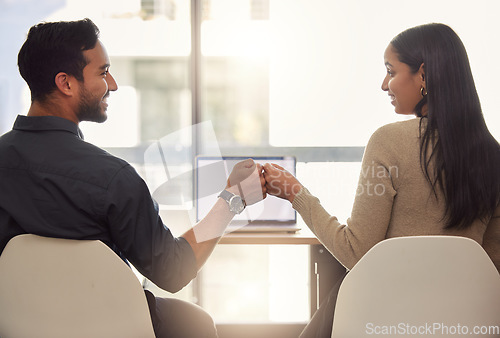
[[205, 235]]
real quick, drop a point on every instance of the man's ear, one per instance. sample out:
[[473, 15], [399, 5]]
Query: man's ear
[[65, 83]]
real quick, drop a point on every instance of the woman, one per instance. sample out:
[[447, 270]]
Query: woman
[[434, 175]]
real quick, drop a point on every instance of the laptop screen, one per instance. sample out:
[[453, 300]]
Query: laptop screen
[[211, 177]]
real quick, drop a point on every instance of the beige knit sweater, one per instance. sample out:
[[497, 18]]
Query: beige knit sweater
[[393, 199]]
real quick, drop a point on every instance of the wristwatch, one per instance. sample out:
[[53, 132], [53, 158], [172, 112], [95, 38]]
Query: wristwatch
[[235, 202]]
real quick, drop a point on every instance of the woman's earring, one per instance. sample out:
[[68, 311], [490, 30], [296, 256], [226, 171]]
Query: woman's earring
[[423, 91]]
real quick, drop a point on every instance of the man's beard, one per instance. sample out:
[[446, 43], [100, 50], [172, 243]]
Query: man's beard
[[89, 108]]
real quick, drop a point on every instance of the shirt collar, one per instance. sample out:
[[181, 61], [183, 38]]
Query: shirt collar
[[46, 123]]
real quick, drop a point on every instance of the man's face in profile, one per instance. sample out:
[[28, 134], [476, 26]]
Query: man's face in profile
[[96, 85]]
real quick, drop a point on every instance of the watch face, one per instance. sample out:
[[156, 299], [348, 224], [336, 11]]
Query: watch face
[[236, 204]]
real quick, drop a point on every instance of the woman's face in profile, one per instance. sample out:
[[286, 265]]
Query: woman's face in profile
[[401, 84]]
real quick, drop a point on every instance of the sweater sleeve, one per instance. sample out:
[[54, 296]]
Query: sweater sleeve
[[371, 212]]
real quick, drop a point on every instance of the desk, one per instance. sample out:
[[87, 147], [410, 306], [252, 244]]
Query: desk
[[325, 270], [303, 236], [323, 273]]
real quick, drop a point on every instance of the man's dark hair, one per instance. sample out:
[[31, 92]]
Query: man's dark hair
[[55, 47]]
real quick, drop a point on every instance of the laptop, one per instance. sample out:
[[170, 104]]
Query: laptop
[[273, 214]]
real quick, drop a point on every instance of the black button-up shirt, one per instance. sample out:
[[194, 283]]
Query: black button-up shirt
[[54, 184]]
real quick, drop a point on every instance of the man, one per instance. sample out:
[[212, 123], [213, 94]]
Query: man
[[54, 184]]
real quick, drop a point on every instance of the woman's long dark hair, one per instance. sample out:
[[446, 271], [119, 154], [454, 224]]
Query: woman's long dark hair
[[457, 152]]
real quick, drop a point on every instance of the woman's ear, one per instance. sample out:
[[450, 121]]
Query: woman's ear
[[65, 83], [421, 72]]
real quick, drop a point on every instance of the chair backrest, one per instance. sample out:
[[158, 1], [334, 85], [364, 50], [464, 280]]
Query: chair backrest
[[410, 286], [68, 288]]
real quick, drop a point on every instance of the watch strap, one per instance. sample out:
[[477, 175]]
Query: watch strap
[[226, 195], [235, 202]]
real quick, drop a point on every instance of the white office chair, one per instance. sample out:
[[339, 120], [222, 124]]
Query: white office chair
[[67, 288], [403, 286]]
